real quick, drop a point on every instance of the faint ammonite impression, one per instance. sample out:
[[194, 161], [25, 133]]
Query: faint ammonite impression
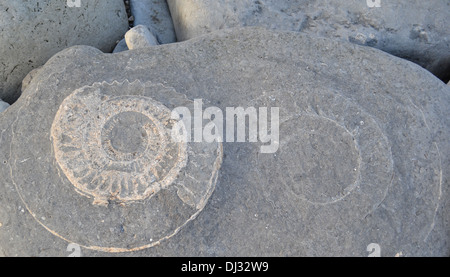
[[341, 149]]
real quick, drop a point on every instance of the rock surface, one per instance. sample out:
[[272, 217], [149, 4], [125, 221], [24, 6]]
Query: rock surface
[[3, 106], [31, 32], [27, 80], [155, 15], [363, 153], [140, 37], [414, 30]]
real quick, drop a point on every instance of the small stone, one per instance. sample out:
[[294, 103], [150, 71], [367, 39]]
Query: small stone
[[121, 46], [3, 106], [140, 37], [156, 16]]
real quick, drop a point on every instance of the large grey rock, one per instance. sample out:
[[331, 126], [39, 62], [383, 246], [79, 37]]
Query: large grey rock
[[140, 37], [415, 30], [3, 106], [155, 15], [33, 31], [363, 152]]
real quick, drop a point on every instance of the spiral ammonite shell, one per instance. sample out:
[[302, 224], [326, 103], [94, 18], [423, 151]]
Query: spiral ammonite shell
[[118, 179], [116, 147]]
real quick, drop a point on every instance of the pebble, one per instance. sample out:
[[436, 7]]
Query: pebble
[[3, 106], [156, 16], [140, 37], [121, 46]]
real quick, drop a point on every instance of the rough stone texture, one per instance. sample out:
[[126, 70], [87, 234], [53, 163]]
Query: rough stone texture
[[155, 15], [363, 153], [415, 30], [121, 46], [3, 106], [33, 31], [140, 37], [27, 80]]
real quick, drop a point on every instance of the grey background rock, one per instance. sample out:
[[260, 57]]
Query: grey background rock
[[3, 106], [414, 30], [155, 15], [398, 118], [31, 32], [140, 37]]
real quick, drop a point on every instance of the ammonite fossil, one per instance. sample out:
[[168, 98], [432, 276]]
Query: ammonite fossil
[[116, 147], [124, 181]]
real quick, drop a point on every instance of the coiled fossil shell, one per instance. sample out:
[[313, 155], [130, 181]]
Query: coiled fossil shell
[[112, 143], [116, 147]]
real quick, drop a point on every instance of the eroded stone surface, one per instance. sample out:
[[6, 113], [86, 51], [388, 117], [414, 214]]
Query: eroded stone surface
[[401, 28], [362, 159], [32, 32]]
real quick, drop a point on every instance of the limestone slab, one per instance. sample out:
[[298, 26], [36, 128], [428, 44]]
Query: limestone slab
[[363, 152]]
